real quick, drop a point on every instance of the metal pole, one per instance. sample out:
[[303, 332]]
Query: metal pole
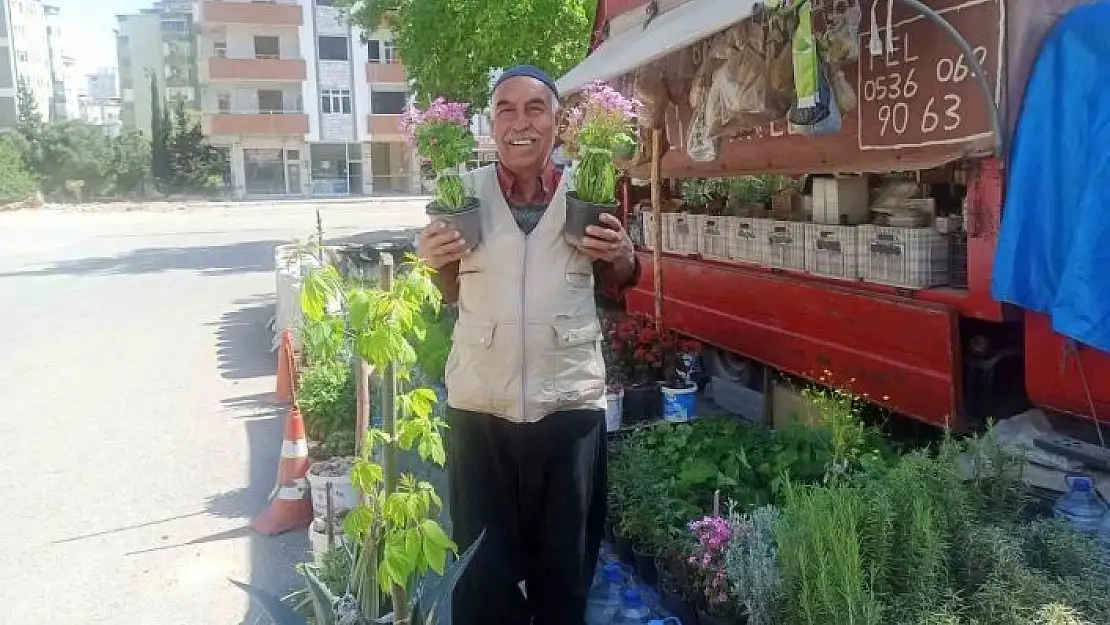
[[657, 230]]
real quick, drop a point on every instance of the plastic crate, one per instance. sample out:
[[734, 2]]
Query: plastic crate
[[681, 233], [832, 251], [749, 240], [641, 229], [786, 244], [717, 234], [957, 260], [913, 258]]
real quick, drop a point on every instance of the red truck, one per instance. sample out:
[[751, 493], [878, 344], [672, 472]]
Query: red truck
[[945, 355]]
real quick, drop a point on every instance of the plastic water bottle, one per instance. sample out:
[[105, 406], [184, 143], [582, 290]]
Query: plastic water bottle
[[606, 596], [634, 611], [1081, 505]]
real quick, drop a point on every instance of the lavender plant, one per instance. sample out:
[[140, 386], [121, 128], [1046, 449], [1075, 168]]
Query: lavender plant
[[441, 133], [601, 128], [751, 563]]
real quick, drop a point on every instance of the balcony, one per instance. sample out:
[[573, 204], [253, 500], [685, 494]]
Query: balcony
[[384, 127], [282, 123], [290, 70], [386, 72], [279, 13]]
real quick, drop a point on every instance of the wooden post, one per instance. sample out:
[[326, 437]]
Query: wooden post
[[657, 219], [389, 424], [362, 403]]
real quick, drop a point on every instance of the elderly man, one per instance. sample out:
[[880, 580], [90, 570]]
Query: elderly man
[[526, 378]]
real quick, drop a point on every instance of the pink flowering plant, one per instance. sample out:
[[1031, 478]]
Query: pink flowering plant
[[441, 133], [713, 534], [603, 127]]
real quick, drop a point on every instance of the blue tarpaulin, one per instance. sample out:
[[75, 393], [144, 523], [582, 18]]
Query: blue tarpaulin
[[1054, 248]]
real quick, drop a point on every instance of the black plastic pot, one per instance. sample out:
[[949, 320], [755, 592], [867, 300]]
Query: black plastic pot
[[467, 220], [705, 619], [642, 403], [582, 214], [676, 605], [623, 548], [645, 567]]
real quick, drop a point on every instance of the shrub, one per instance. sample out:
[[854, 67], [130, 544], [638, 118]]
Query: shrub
[[326, 397]]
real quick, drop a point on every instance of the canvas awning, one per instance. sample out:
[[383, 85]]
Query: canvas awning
[[634, 46]]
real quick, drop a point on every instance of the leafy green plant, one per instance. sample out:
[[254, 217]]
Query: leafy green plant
[[601, 128], [326, 398], [339, 443], [441, 133], [395, 525]]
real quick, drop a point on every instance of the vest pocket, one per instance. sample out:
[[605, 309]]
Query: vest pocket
[[574, 369], [467, 372]]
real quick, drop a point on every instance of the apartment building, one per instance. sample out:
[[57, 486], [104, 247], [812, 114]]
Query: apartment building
[[156, 42], [102, 84], [305, 104], [24, 56], [63, 69]]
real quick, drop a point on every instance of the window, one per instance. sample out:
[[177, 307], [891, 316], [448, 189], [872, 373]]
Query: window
[[325, 3], [22, 56], [219, 49], [267, 47], [270, 101], [333, 48], [335, 101], [223, 102], [175, 26], [388, 102], [381, 51]]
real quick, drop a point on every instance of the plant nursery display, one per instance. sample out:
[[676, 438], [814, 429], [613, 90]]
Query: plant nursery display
[[648, 364], [394, 527], [825, 526], [441, 133], [601, 128]]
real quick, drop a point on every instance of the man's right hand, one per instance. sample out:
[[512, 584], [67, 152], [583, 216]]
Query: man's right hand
[[440, 245]]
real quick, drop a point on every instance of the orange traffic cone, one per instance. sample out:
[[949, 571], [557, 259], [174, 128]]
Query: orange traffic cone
[[292, 507], [286, 368]]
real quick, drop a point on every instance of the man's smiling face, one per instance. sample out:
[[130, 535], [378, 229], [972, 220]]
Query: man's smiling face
[[524, 124]]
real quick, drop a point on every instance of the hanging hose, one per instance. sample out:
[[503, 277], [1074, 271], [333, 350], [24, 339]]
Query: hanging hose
[[961, 43], [1071, 348]]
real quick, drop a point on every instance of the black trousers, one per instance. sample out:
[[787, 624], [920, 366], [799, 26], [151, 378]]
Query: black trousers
[[538, 489]]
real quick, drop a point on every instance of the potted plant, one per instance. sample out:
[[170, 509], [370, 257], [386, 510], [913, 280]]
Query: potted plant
[[676, 585], [712, 534], [636, 363], [601, 129], [679, 390], [441, 133], [395, 525]]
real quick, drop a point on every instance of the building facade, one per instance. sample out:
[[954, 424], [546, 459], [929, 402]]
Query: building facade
[[25, 56], [63, 69], [305, 104], [158, 42], [104, 113], [102, 84]]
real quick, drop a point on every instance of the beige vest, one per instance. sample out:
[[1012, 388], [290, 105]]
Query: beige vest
[[528, 341]]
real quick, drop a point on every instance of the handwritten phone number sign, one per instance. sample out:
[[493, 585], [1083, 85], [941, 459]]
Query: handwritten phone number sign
[[922, 91]]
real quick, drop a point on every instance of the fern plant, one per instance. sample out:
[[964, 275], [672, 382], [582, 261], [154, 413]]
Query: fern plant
[[395, 525]]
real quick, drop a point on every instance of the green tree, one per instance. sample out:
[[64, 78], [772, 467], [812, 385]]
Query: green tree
[[29, 124], [131, 162], [16, 181], [159, 135], [194, 164], [77, 161], [450, 46]]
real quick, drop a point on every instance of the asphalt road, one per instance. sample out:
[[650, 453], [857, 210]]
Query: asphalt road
[[138, 430]]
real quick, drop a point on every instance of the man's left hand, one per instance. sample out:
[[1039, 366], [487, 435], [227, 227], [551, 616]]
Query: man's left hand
[[608, 242]]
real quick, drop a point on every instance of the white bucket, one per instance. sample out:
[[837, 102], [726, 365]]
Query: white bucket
[[679, 404], [343, 494], [614, 408], [318, 537]]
